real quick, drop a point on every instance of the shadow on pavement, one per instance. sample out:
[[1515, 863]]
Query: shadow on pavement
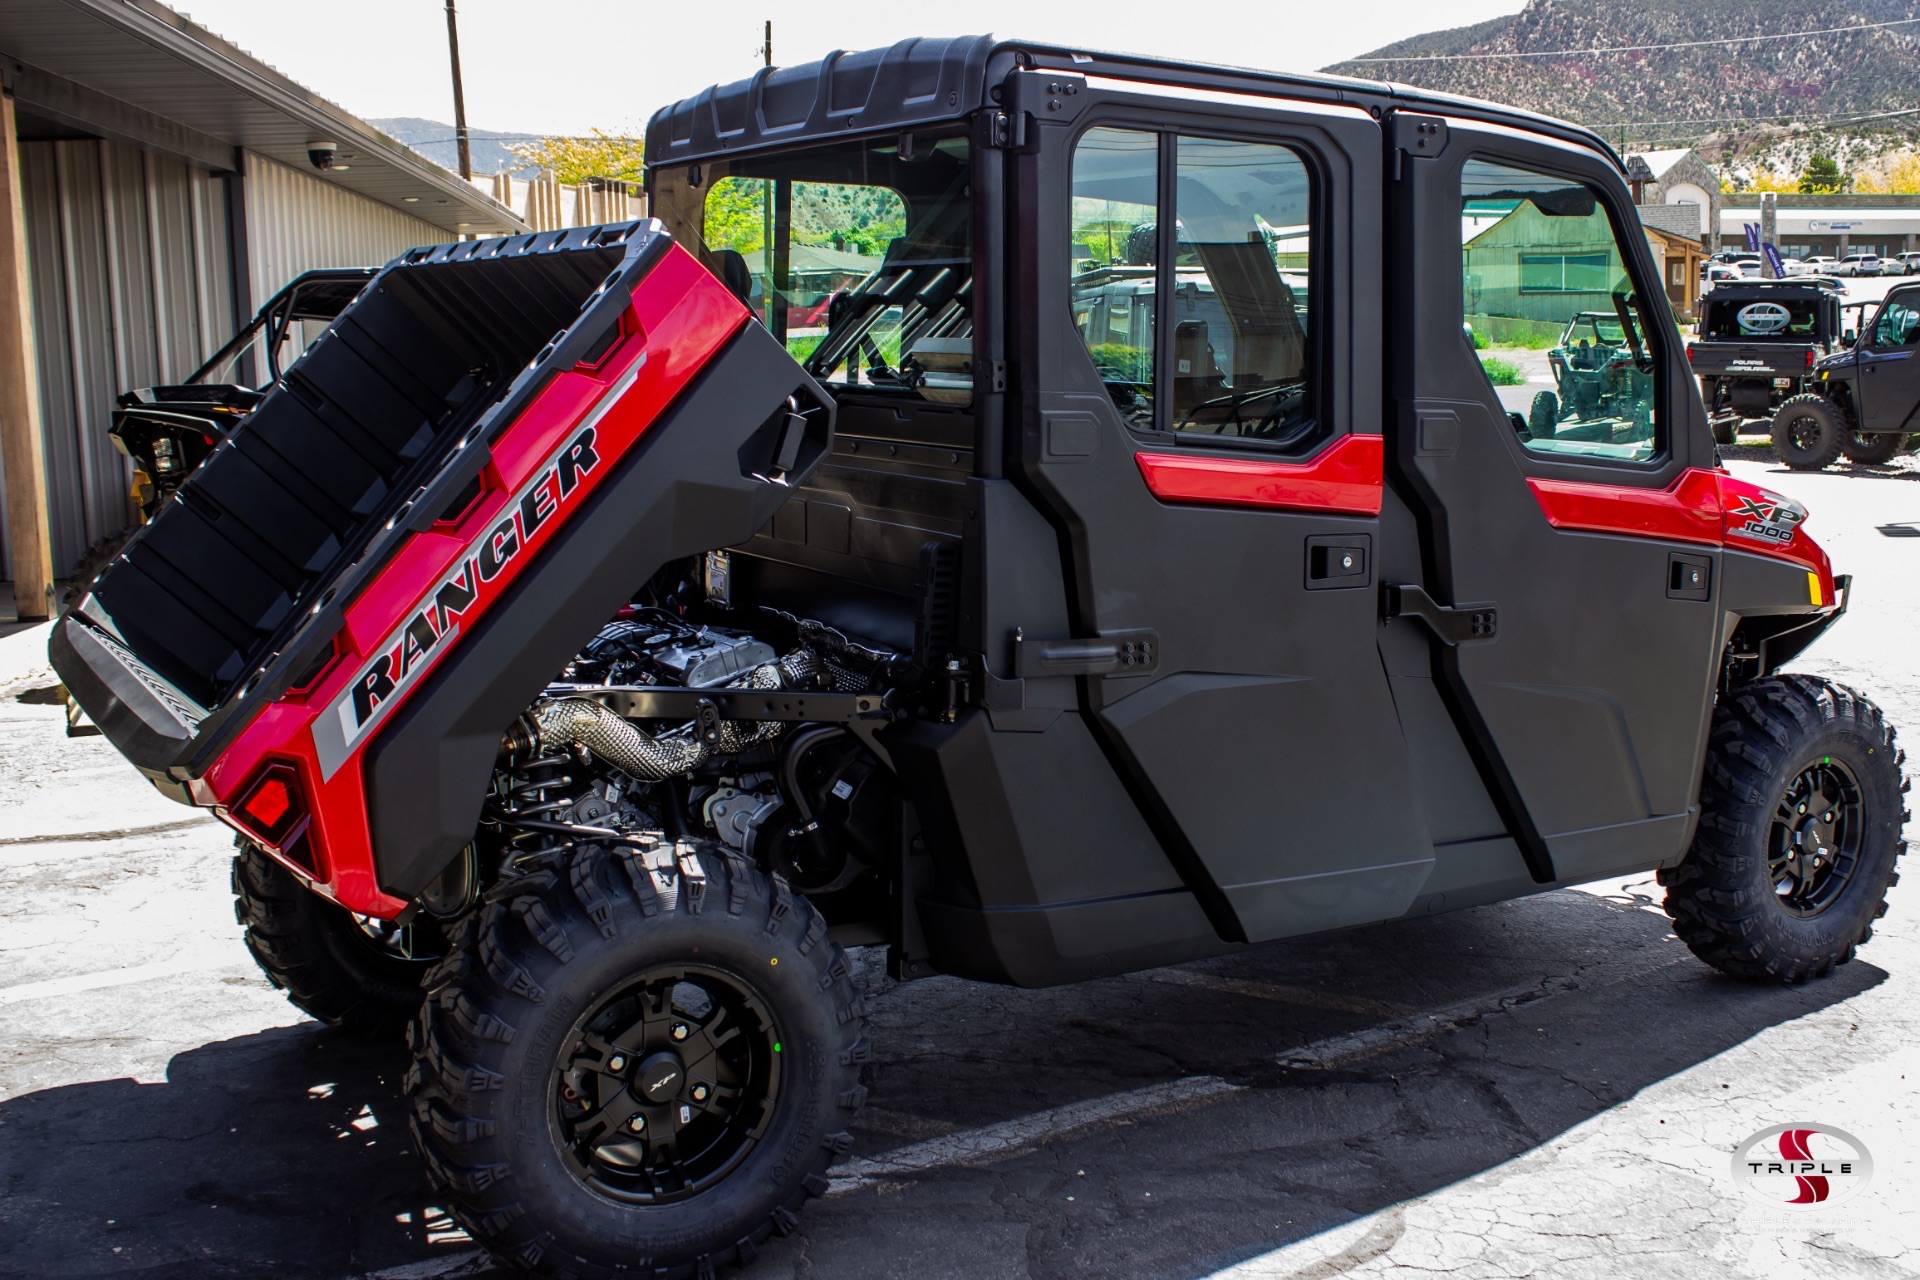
[[285, 1152]]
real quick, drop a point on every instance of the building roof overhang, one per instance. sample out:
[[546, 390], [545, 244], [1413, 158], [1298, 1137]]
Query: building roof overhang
[[136, 71]]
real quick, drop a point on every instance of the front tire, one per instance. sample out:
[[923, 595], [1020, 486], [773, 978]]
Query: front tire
[[1800, 827], [359, 977], [1808, 432], [1876, 449], [636, 1061]]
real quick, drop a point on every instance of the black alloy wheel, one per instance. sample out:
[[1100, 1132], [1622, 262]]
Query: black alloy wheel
[[668, 1085], [1801, 812], [1808, 432], [638, 1058], [1813, 844]]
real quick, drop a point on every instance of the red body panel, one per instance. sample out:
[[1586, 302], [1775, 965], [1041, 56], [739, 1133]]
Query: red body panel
[[1709, 507], [543, 466], [1346, 478]]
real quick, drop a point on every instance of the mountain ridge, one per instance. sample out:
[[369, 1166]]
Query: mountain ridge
[[1674, 96]]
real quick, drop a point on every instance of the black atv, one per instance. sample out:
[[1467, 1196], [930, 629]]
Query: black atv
[[635, 657], [169, 430], [1600, 369], [1759, 341], [1863, 401]]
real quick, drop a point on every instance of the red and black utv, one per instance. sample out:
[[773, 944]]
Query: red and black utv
[[601, 656]]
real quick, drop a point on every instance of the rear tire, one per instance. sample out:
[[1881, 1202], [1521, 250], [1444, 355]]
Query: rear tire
[[1769, 892], [573, 1124], [319, 954], [1876, 449], [1543, 418], [1808, 432], [1726, 431]]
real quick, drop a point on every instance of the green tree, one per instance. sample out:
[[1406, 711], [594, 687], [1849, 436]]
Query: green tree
[[597, 155], [1822, 175]]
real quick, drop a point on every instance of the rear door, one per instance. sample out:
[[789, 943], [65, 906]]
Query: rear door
[[1210, 454], [1566, 578]]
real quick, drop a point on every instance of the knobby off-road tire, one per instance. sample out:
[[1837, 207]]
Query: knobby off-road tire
[[1726, 431], [1875, 449], [318, 954], [1808, 432], [1737, 899], [1543, 416], [541, 1040]]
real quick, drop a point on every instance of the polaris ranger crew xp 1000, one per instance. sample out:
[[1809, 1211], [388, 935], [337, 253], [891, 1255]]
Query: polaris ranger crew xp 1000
[[1034, 511]]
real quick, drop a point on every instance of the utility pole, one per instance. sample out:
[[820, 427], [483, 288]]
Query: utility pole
[[459, 95]]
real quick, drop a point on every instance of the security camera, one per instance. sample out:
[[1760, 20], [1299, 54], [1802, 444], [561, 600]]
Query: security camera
[[320, 154]]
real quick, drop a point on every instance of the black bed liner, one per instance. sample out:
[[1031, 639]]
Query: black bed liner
[[235, 591]]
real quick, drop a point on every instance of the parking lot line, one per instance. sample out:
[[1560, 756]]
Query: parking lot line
[[1278, 992], [118, 977], [123, 833], [997, 1141], [991, 1142]]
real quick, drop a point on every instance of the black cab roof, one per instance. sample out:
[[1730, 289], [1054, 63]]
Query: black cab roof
[[926, 81]]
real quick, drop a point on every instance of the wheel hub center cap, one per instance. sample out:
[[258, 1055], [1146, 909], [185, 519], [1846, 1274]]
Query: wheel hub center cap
[[659, 1077]]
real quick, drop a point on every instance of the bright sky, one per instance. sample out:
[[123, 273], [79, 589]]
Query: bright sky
[[563, 66]]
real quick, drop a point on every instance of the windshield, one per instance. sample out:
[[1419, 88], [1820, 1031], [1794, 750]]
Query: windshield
[[856, 255]]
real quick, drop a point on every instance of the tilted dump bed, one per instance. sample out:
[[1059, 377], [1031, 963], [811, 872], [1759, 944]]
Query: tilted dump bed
[[437, 451]]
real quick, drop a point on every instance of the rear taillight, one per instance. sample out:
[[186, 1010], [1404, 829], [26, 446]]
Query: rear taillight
[[1809, 357], [1689, 353], [272, 812]]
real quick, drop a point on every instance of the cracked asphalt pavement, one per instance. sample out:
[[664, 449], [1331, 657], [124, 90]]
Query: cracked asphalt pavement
[[1547, 1087]]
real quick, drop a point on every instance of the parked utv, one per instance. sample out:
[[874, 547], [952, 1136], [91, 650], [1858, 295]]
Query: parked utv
[[1862, 401], [1601, 370], [556, 627], [168, 431], [1759, 341]]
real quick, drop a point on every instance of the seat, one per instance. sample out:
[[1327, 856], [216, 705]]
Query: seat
[[732, 269]]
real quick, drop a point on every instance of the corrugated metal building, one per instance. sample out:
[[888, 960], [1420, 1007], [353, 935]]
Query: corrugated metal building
[[155, 187]]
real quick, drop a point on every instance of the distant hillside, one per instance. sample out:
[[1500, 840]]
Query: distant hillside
[[434, 140], [1674, 95]]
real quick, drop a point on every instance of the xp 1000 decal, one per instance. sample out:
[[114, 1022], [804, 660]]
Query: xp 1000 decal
[[1766, 517], [470, 586]]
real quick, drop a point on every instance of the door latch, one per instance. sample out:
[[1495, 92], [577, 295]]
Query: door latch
[[1118, 653], [1455, 625]]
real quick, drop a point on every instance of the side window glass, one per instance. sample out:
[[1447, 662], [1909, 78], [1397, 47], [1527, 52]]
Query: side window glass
[[1239, 314], [1115, 217], [1564, 334], [837, 235], [1897, 326]]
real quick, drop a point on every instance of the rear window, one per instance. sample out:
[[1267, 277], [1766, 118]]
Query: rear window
[[1744, 319]]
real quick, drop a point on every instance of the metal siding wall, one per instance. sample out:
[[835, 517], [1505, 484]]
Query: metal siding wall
[[127, 256], [296, 223]]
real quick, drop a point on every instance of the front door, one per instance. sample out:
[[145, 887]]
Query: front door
[[1566, 572], [1888, 363], [1203, 430]]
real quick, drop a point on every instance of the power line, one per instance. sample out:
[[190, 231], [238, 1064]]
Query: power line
[[1636, 48]]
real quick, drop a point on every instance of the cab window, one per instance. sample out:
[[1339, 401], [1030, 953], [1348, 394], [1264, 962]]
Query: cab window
[[1566, 339], [1898, 324], [1217, 344], [857, 255]]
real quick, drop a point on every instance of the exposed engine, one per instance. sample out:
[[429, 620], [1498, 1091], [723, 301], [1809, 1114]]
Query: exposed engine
[[807, 800]]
